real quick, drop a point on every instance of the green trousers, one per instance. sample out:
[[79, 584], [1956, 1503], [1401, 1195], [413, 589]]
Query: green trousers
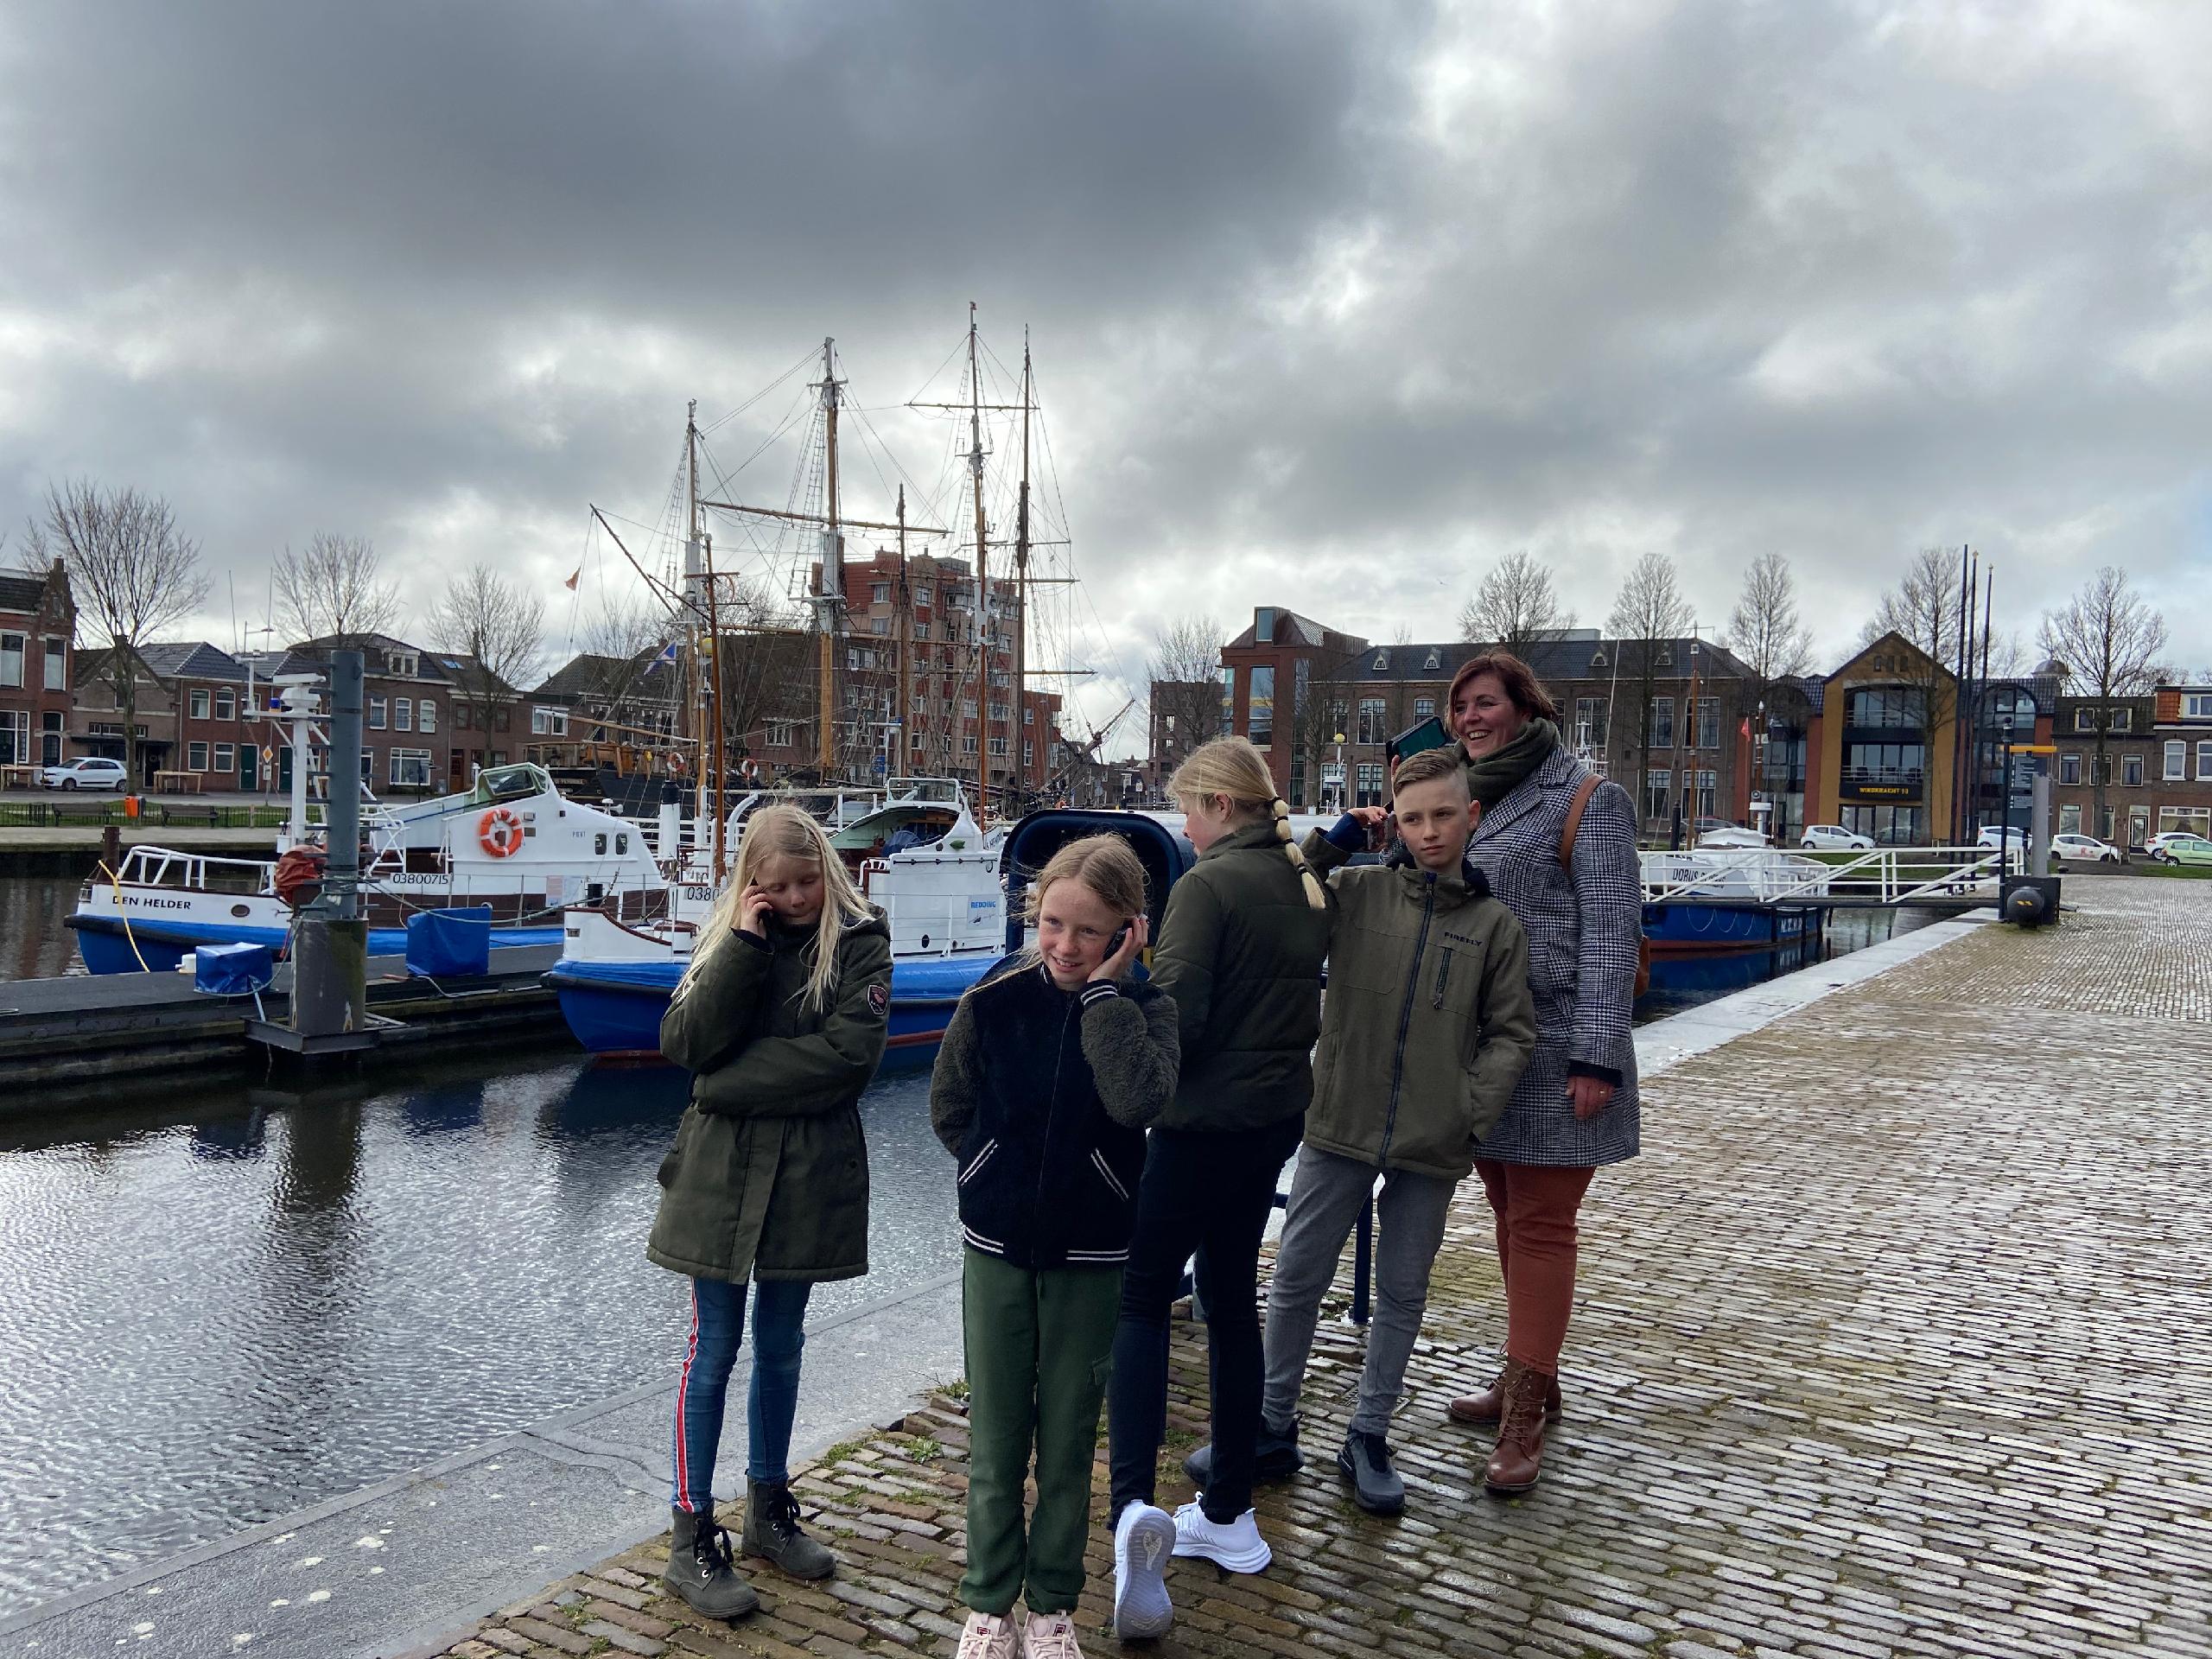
[[1040, 1345]]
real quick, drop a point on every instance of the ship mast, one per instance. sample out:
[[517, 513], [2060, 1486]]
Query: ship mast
[[983, 576], [1018, 724], [906, 656], [832, 600]]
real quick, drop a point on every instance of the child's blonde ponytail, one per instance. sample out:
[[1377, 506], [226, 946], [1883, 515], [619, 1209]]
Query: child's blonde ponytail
[[1231, 768], [1315, 898]]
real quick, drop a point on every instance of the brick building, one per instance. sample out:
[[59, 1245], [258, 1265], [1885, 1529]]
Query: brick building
[[2158, 753], [918, 641], [38, 623]]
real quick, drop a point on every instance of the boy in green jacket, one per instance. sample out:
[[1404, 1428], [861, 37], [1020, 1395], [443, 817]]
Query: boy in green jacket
[[1425, 1027]]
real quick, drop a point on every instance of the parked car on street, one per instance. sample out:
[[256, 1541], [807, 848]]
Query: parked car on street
[[1834, 838], [1993, 837], [2156, 843], [2181, 848], [2084, 849], [93, 772]]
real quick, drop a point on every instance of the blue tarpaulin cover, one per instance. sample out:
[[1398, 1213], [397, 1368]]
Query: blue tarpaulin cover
[[232, 969], [446, 942]]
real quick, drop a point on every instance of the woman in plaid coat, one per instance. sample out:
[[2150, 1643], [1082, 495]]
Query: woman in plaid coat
[[1575, 1108]]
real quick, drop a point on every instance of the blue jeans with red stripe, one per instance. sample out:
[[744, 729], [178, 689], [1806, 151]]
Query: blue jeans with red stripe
[[710, 1353]]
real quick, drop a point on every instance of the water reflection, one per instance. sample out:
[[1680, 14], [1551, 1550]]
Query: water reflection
[[35, 942], [253, 1301]]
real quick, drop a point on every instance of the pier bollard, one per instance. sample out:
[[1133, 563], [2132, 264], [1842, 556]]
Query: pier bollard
[[330, 978]]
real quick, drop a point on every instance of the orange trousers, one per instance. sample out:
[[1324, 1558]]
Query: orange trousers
[[1536, 1207]]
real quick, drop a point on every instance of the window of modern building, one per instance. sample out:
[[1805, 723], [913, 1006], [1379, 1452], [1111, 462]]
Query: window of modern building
[[2070, 768], [2131, 771], [376, 711], [199, 702], [196, 756], [1884, 705], [2176, 760], [1260, 708], [57, 664], [1663, 723], [1659, 792]]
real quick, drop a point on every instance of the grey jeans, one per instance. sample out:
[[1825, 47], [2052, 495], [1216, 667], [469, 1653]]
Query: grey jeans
[[1324, 1200]]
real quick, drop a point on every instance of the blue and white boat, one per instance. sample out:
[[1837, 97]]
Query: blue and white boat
[[1730, 898]]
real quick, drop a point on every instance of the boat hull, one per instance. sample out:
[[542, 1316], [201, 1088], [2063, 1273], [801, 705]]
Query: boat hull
[[615, 1007], [108, 947], [1687, 930]]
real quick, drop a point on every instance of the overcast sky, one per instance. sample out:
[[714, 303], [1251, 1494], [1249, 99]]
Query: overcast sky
[[1332, 304]]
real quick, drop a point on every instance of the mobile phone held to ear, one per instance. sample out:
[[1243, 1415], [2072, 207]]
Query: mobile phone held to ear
[[1120, 938]]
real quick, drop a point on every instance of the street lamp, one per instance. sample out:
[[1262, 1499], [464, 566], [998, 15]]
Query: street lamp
[[2005, 784]]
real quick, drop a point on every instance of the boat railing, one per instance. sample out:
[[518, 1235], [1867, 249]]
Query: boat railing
[[1893, 875], [148, 866]]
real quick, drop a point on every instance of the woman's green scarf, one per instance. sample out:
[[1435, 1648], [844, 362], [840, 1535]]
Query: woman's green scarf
[[1498, 773]]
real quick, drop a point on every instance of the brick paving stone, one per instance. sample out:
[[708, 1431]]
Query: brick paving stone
[[1893, 1343]]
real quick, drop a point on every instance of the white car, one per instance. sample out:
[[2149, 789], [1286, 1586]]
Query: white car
[[2084, 849], [93, 772], [2157, 844], [1993, 837], [1834, 838]]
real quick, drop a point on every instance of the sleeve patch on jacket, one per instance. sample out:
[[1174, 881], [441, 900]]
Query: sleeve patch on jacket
[[879, 1000]]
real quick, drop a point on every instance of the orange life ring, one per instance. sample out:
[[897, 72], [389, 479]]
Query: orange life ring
[[498, 832]]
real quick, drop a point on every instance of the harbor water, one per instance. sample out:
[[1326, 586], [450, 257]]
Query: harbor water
[[219, 1303]]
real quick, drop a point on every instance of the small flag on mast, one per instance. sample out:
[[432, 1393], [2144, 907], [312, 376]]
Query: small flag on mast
[[570, 584], [666, 659]]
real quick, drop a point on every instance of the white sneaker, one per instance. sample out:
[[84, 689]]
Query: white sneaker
[[1050, 1636], [1142, 1538], [986, 1638], [1236, 1545]]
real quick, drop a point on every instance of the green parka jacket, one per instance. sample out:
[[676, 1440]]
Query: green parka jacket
[[1429, 1020], [1240, 949], [769, 1176]]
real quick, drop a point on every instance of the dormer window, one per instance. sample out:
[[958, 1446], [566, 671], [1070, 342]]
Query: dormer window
[[1666, 656], [1382, 661], [1434, 659], [1597, 660], [400, 663]]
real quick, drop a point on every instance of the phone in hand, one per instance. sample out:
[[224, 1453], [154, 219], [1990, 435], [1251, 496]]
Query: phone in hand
[[1120, 938]]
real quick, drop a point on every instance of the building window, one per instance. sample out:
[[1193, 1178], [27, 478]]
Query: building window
[[368, 766], [403, 713], [226, 757], [196, 756], [1370, 783], [401, 664], [410, 768], [548, 722], [57, 666], [11, 659], [1260, 710], [1886, 705], [227, 706], [1708, 722], [16, 737], [1028, 716], [968, 743], [1662, 724], [2123, 720], [921, 592], [878, 624], [376, 711], [783, 735], [1658, 792], [2131, 771], [998, 749], [427, 712], [2070, 768], [2085, 720], [502, 720], [1589, 724], [2069, 819], [198, 701], [1028, 754], [878, 592], [2204, 763], [2176, 760], [1425, 708], [1371, 728], [1707, 805]]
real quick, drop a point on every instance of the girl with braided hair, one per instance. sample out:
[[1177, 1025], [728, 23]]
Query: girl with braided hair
[[1240, 952]]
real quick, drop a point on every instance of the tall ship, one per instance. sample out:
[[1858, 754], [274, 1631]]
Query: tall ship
[[920, 671]]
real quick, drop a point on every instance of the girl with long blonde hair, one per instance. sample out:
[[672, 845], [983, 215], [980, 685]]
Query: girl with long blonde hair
[[1240, 954], [781, 1019]]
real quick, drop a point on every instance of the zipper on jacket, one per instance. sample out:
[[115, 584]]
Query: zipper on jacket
[[1443, 973], [1406, 1016], [1051, 1108]]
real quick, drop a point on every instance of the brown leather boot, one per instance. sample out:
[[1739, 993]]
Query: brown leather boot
[[1485, 1408], [1518, 1458]]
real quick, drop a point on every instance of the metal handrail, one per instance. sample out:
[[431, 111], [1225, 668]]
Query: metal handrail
[[1895, 874]]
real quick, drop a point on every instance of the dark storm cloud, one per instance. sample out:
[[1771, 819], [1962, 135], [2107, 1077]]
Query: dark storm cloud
[[1333, 302]]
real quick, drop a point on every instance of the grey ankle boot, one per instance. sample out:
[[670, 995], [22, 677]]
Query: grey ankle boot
[[1366, 1462], [771, 1533], [700, 1570]]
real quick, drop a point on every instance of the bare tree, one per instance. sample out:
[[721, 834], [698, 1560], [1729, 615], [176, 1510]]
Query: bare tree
[[1516, 606], [1763, 629], [132, 569], [1184, 692], [495, 629], [2110, 642], [331, 591], [1649, 614]]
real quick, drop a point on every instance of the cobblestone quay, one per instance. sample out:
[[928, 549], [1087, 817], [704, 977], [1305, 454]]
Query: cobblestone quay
[[1897, 1340]]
